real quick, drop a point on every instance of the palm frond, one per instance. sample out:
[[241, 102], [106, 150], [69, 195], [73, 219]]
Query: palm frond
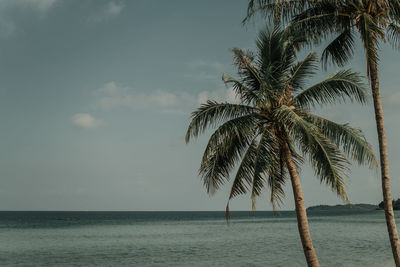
[[340, 50], [244, 174], [352, 140], [320, 20], [393, 35], [261, 163], [271, 50], [246, 94], [302, 71], [223, 150], [246, 69], [394, 10], [211, 113], [273, 57], [343, 84], [329, 164], [278, 11], [277, 59], [276, 180], [266, 159]]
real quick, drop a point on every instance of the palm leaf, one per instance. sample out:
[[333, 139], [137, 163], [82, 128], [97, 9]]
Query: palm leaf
[[246, 94], [329, 164], [340, 50], [343, 84], [266, 158], [223, 150], [211, 113], [393, 35], [303, 70], [352, 140], [244, 174]]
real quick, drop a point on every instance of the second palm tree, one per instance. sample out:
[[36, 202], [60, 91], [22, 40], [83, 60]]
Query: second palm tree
[[273, 121]]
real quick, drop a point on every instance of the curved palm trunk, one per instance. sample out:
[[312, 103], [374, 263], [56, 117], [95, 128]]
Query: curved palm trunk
[[302, 221], [383, 154]]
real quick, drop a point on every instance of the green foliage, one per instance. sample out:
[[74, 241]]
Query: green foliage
[[374, 21], [212, 113], [274, 113], [395, 203], [339, 86]]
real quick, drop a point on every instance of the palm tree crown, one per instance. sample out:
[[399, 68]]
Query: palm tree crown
[[274, 115], [374, 20]]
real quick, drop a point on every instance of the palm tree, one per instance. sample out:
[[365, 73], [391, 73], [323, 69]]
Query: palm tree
[[263, 132], [375, 21]]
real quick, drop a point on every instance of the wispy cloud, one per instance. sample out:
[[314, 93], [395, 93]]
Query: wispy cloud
[[42, 5], [86, 121], [112, 95], [114, 9], [8, 25], [110, 10], [221, 95]]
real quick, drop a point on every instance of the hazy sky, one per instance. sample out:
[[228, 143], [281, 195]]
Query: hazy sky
[[95, 99]]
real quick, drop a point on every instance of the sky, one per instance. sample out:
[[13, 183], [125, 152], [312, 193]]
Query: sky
[[96, 96]]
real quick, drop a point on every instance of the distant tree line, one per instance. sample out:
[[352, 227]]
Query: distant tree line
[[395, 203]]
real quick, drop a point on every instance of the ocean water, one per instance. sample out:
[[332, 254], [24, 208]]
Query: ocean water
[[190, 239]]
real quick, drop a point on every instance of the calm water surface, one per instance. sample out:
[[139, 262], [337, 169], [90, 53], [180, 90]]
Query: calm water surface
[[190, 239]]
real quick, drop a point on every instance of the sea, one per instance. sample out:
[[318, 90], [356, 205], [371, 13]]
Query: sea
[[263, 238]]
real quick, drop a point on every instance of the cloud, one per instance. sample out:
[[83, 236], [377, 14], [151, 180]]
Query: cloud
[[112, 9], [86, 121], [42, 5], [8, 24], [112, 95], [220, 95]]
